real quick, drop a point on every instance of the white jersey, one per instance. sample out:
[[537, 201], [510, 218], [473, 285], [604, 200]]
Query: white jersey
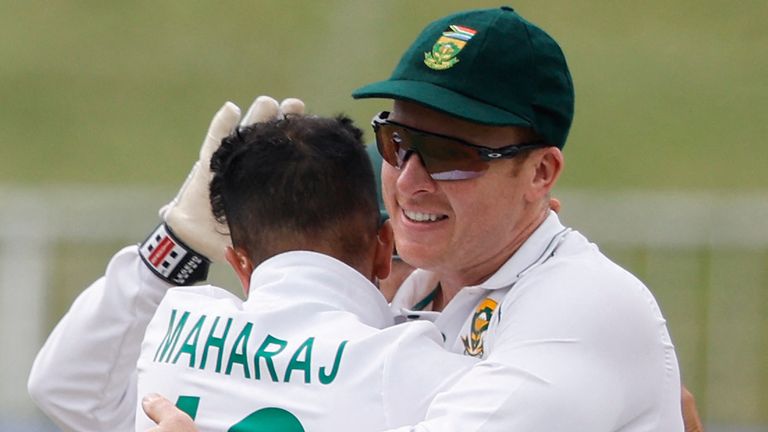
[[568, 341], [309, 350]]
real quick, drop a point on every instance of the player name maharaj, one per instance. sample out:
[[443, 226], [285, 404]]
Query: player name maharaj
[[212, 343]]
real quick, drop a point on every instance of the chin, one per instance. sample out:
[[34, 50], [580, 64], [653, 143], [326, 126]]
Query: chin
[[418, 257]]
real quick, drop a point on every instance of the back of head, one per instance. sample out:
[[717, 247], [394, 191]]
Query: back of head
[[302, 183]]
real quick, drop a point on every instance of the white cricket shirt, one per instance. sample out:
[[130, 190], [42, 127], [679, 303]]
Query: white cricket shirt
[[311, 349], [568, 341]]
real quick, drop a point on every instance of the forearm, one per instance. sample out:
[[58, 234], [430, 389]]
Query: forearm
[[567, 371], [498, 397], [84, 375]]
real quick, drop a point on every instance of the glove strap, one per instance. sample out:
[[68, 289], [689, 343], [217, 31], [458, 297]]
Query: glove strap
[[172, 260]]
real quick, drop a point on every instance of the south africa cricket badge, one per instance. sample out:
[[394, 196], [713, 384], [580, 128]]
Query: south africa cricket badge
[[447, 47], [473, 343]]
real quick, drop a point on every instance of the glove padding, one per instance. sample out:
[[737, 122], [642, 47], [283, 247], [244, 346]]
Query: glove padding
[[189, 214]]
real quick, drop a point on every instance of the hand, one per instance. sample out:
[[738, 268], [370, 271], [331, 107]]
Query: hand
[[690, 413], [167, 417], [189, 214]]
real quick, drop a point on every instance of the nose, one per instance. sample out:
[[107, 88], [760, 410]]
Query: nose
[[413, 177]]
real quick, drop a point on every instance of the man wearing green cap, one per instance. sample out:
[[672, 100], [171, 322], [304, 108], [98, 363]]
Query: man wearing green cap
[[483, 101]]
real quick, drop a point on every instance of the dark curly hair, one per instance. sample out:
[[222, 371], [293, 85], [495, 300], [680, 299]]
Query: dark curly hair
[[302, 183]]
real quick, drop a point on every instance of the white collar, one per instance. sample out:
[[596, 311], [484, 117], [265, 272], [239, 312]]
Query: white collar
[[311, 277], [536, 249]]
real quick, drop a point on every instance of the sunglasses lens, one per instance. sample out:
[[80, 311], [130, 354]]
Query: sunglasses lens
[[391, 144], [446, 159], [443, 158]]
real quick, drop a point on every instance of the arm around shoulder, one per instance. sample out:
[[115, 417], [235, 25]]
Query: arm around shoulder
[[560, 357]]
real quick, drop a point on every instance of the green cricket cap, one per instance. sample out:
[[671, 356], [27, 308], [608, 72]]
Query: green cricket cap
[[488, 66]]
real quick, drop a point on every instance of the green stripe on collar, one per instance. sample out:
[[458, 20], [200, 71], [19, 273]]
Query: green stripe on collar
[[426, 300]]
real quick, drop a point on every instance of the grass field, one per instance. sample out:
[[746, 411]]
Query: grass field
[[669, 96]]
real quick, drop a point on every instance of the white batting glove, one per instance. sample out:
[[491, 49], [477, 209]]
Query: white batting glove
[[181, 249]]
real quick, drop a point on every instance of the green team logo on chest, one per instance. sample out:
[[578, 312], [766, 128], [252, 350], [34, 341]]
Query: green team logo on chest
[[473, 343], [208, 352]]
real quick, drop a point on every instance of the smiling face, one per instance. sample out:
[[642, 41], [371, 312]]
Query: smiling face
[[466, 229]]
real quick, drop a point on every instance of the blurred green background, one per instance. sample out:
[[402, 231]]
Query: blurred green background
[[670, 96]]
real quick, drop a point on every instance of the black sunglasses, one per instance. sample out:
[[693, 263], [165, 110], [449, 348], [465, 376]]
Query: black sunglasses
[[444, 157]]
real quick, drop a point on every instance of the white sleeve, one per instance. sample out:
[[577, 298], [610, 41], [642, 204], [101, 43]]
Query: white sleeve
[[565, 359], [84, 377], [417, 368]]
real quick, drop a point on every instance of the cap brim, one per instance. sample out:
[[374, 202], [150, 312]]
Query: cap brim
[[441, 99]]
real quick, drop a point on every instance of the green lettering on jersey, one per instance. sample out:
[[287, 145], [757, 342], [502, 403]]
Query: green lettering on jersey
[[305, 349], [189, 405], [240, 356], [327, 379], [215, 342], [168, 344], [266, 354], [268, 420], [189, 346]]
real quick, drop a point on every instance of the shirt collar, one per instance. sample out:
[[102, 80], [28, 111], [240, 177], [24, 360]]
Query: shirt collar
[[311, 277], [536, 248]]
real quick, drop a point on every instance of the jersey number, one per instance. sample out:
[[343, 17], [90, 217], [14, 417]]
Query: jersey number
[[263, 420]]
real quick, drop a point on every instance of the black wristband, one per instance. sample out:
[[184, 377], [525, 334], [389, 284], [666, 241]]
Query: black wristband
[[172, 260]]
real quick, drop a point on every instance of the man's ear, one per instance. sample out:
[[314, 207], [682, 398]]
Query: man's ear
[[385, 244], [242, 264], [549, 164]]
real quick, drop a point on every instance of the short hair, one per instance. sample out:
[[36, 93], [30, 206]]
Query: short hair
[[300, 183]]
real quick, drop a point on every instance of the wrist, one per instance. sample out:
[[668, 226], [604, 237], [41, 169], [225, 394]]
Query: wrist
[[171, 259]]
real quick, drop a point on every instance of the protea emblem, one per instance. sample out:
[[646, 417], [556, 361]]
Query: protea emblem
[[445, 50], [473, 344]]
